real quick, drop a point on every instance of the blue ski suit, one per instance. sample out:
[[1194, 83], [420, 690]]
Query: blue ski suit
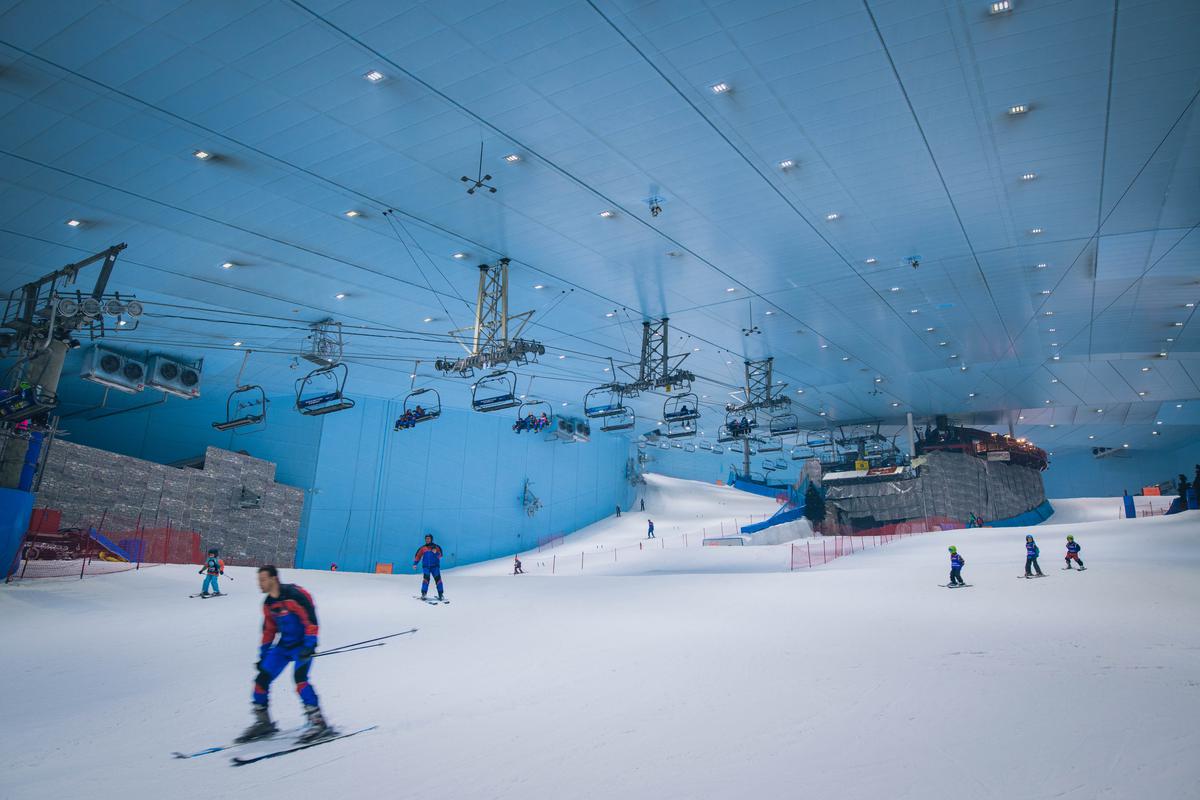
[[289, 634], [956, 565], [429, 556], [214, 567], [1031, 557]]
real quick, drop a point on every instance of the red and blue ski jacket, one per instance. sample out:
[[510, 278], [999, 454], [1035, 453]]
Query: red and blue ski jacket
[[956, 561], [1073, 547], [429, 556], [292, 617], [1031, 549]]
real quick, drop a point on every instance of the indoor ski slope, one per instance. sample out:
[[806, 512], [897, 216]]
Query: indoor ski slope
[[862, 679]]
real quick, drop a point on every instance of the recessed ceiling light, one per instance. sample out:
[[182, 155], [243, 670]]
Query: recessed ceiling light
[[427, 319], [954, 355], [1145, 369], [895, 405], [1162, 355], [1029, 176], [972, 394], [1054, 344], [564, 404], [1091, 436], [1035, 231], [607, 213], [1055, 358], [731, 289], [538, 286], [1021, 417], [562, 357], [823, 347], [1141, 394], [1154, 433], [1045, 291], [1020, 108], [1042, 265], [74, 223], [770, 313], [879, 380], [942, 344], [719, 88], [1170, 339], [459, 256], [831, 216], [512, 158], [203, 155], [121, 323], [963, 368], [1049, 314], [1178, 324], [609, 314], [1000, 7], [227, 265], [1048, 403], [1052, 330], [798, 391], [820, 413], [1051, 424], [1099, 410], [695, 349], [352, 213], [237, 344], [1125, 445], [929, 330], [340, 296], [870, 261], [1054, 380], [374, 76], [895, 288], [1179, 405], [787, 163], [1158, 422], [1189, 305]]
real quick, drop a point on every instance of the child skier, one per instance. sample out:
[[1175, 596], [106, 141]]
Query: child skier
[[517, 566], [214, 567], [1031, 557], [649, 529], [289, 635], [1073, 549], [956, 565], [429, 555]]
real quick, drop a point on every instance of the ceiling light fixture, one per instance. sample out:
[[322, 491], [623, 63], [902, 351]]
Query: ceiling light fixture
[[512, 158], [1054, 380], [1000, 7], [1052, 330], [1141, 394], [1162, 355], [870, 261], [1042, 265], [227, 265], [929, 330], [1045, 291], [459, 256], [1049, 314], [895, 405], [538, 286], [895, 288], [972, 394], [1035, 231], [1020, 108], [203, 155], [1178, 324], [831, 216], [1055, 358], [352, 213], [608, 214], [74, 223], [720, 88], [427, 319], [787, 164], [731, 289], [770, 313], [374, 76], [340, 296], [1154, 433], [1091, 436], [1029, 176], [845, 358], [237, 344], [1145, 369], [942, 344], [609, 314]]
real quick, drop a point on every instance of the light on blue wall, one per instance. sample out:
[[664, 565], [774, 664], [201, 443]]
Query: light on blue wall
[[460, 478]]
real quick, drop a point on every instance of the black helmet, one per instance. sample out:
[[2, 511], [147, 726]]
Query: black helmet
[[212, 551], [429, 536]]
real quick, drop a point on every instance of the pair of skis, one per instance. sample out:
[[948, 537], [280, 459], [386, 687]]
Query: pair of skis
[[204, 596], [293, 747], [433, 601], [955, 585]]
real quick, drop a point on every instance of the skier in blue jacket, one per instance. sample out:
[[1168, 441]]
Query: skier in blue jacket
[[215, 567], [1031, 557], [956, 565], [429, 556], [649, 529], [1073, 549]]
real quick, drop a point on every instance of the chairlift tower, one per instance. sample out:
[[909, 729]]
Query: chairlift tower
[[491, 342], [657, 368], [762, 394]]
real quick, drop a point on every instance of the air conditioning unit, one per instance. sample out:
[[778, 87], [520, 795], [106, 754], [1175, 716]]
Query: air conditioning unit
[[114, 370], [173, 377]]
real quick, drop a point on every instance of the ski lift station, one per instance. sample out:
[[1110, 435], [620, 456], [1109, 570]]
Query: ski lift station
[[600, 399]]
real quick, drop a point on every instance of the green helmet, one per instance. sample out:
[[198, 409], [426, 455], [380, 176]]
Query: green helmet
[[1070, 538], [953, 549]]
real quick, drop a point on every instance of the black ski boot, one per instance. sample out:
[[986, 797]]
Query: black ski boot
[[317, 728], [261, 728]]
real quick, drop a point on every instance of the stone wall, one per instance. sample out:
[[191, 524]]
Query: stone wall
[[233, 502]]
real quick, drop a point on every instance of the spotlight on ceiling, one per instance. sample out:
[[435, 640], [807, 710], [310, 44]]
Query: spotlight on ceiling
[[1000, 7], [1029, 176], [1017, 110], [720, 88], [374, 76], [786, 164], [203, 155], [512, 158], [74, 223]]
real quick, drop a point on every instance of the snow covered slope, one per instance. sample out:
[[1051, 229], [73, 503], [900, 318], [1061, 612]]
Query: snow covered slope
[[1102, 509], [862, 679]]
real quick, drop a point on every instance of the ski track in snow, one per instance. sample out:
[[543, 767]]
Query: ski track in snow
[[860, 679]]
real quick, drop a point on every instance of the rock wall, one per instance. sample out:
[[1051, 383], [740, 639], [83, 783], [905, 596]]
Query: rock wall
[[233, 502]]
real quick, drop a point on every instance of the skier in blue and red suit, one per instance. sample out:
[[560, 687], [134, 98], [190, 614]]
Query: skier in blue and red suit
[[429, 556], [289, 635]]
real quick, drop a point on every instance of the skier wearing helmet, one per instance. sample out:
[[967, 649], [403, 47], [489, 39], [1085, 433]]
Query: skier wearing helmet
[[1031, 557], [1073, 549], [956, 565]]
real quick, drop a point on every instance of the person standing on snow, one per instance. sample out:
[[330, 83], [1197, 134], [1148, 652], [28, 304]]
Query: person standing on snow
[[289, 635], [1073, 549], [643, 504], [956, 565], [649, 529], [618, 510], [517, 566], [214, 567], [429, 556], [1031, 557]]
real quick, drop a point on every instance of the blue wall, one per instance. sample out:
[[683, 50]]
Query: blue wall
[[459, 477], [1080, 474], [704, 466]]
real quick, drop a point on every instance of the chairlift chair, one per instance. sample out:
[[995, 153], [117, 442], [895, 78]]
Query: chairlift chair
[[315, 405], [688, 447], [770, 444], [239, 405], [726, 436], [706, 446], [733, 425], [428, 400], [802, 452], [622, 421], [683, 408], [718, 450], [603, 401], [496, 391], [784, 425], [769, 466], [533, 408]]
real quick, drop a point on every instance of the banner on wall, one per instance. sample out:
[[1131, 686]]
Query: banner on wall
[[383, 568]]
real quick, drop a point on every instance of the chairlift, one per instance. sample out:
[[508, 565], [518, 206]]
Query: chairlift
[[529, 417], [246, 405], [421, 405], [495, 392], [718, 450], [802, 452], [816, 439], [784, 425], [769, 466], [770, 444], [683, 408], [603, 401], [623, 421], [681, 428], [706, 446], [725, 435], [688, 447], [332, 377], [739, 425]]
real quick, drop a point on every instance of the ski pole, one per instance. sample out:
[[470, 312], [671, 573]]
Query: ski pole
[[366, 641], [341, 650]]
